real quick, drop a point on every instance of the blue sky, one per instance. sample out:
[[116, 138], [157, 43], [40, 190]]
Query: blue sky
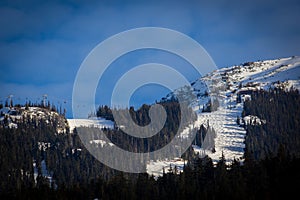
[[43, 43]]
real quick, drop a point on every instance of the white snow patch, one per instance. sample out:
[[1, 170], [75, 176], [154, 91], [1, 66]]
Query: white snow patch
[[156, 168], [95, 122], [101, 142], [253, 120]]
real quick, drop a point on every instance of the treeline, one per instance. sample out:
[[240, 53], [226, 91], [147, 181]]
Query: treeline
[[281, 111], [177, 119], [141, 115], [141, 118]]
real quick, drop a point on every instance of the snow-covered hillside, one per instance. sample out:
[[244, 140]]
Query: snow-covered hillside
[[240, 81], [232, 86], [11, 116], [92, 122]]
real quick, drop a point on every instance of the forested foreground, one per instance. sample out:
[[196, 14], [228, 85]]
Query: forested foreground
[[274, 178], [270, 170]]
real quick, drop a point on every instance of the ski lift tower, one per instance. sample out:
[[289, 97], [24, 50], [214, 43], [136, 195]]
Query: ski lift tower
[[44, 99], [9, 100]]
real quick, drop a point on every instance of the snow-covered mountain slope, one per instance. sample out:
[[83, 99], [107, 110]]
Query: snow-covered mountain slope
[[283, 72], [219, 105], [232, 86]]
